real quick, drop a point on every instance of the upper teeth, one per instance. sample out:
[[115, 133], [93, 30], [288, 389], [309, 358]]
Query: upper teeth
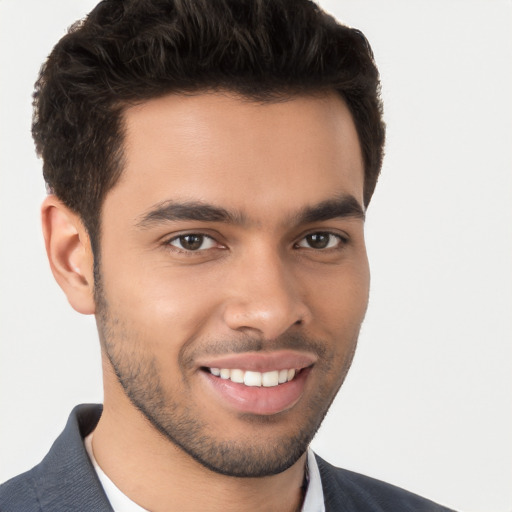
[[266, 379]]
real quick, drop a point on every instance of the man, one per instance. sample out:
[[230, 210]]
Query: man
[[209, 167]]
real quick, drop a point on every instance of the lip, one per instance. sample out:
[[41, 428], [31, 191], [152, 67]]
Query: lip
[[261, 401], [261, 361]]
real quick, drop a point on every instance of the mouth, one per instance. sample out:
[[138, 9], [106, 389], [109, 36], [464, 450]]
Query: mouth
[[257, 383], [249, 378]]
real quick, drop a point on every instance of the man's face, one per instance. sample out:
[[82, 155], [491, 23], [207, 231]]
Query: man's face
[[233, 244]]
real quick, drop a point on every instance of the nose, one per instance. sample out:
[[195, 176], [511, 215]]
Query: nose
[[266, 297]]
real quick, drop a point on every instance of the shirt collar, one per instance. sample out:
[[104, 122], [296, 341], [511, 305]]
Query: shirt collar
[[314, 498]]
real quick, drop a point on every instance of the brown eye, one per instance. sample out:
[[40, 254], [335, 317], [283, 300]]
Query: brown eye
[[192, 242], [320, 240]]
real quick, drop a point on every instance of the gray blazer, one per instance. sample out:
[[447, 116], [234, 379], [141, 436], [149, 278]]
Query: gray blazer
[[65, 481]]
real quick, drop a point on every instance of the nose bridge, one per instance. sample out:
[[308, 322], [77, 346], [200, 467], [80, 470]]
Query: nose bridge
[[264, 295]]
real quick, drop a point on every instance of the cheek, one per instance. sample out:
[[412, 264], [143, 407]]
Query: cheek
[[338, 299], [164, 305]]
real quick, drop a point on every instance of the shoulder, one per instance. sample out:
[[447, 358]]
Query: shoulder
[[346, 490], [19, 494], [65, 479]]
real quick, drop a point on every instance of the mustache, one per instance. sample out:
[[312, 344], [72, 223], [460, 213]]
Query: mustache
[[244, 343]]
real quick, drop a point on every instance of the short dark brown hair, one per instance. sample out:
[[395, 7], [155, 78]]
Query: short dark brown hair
[[128, 51]]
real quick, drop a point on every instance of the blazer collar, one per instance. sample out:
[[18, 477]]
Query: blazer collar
[[65, 480]]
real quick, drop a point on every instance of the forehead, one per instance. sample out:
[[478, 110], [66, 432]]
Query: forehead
[[238, 154]]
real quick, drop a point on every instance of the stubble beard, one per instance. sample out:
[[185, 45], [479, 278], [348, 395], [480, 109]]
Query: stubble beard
[[139, 377]]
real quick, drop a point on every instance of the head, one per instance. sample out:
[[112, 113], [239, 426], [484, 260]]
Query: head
[[218, 158]]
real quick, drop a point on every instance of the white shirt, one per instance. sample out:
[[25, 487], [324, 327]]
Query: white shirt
[[313, 501]]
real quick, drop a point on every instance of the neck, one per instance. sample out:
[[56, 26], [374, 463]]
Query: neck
[[159, 476]]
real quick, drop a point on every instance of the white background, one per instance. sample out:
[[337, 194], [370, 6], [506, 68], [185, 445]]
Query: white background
[[428, 402]]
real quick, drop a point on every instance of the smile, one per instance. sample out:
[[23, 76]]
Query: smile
[[255, 379], [254, 392], [261, 383]]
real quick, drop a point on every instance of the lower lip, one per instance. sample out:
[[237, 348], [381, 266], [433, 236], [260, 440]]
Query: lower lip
[[258, 400]]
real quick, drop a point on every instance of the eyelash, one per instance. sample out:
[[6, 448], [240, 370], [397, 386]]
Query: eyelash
[[182, 250], [342, 241]]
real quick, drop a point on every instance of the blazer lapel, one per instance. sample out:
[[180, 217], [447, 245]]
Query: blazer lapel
[[66, 480]]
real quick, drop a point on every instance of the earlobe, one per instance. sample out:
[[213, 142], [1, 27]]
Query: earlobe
[[69, 253]]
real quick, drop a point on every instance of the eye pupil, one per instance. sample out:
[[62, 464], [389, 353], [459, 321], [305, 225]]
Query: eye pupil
[[191, 242], [318, 240]]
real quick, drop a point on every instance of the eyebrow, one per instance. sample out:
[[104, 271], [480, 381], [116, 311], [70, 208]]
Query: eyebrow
[[167, 211], [342, 206], [189, 210]]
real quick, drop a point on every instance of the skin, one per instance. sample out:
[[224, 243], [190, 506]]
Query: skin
[[256, 283]]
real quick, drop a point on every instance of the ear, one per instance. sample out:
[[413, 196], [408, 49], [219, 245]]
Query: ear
[[70, 254]]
